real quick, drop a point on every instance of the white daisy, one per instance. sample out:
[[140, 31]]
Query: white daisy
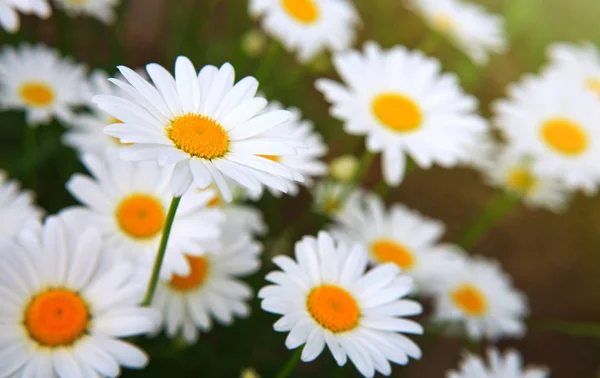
[[202, 124], [212, 289], [469, 26], [327, 298], [308, 26], [310, 147], [581, 62], [404, 105], [479, 296], [508, 366], [554, 120], [62, 315], [129, 201], [9, 16], [512, 172], [16, 207], [103, 10], [37, 80], [400, 236]]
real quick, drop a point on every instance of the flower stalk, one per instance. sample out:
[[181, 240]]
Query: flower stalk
[[291, 364]]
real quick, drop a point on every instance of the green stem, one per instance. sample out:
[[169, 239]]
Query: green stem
[[160, 255], [429, 43], [29, 147], [496, 208], [365, 163], [383, 189], [291, 364], [268, 62], [568, 328]]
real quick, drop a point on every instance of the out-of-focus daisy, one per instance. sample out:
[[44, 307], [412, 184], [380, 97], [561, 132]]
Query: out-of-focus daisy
[[512, 172], [202, 124], [509, 365], [405, 106], [61, 314], [327, 298], [211, 290], [469, 26], [480, 298], [16, 207], [103, 10], [400, 236], [311, 147], [129, 201], [582, 62], [37, 80], [308, 26], [9, 16], [554, 120]]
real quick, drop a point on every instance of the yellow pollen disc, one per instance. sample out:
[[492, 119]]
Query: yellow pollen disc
[[304, 11], [397, 112], [141, 216], [198, 269], [565, 136], [443, 22], [57, 317], [470, 300], [391, 251], [199, 136], [333, 308], [35, 93], [521, 180], [216, 201], [274, 158], [593, 85]]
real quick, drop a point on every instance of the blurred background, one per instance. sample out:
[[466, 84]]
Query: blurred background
[[554, 259]]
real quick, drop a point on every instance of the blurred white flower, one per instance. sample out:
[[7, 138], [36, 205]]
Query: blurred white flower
[[16, 207], [509, 365], [9, 12], [581, 62]]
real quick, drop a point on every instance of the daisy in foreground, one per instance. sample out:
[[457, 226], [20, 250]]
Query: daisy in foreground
[[201, 123], [212, 289], [327, 298], [400, 236], [16, 207], [553, 119], [581, 62], [508, 365], [103, 10], [37, 80], [479, 297], [129, 202], [9, 16], [62, 315], [469, 26], [405, 106], [308, 26]]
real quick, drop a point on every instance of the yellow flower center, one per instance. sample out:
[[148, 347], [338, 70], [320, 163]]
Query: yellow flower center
[[216, 201], [390, 251], [199, 136], [593, 84], [521, 180], [443, 22], [57, 317], [304, 11], [397, 112], [274, 158], [333, 308], [470, 300], [198, 270], [565, 136], [36, 93], [141, 216]]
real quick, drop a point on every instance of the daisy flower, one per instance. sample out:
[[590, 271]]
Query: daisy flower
[[213, 289], [479, 296], [16, 207], [581, 62], [404, 105], [507, 366], [201, 123], [512, 172], [308, 26], [9, 16], [400, 236], [468, 26], [103, 10], [554, 120], [327, 298], [61, 314], [129, 202], [37, 80]]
